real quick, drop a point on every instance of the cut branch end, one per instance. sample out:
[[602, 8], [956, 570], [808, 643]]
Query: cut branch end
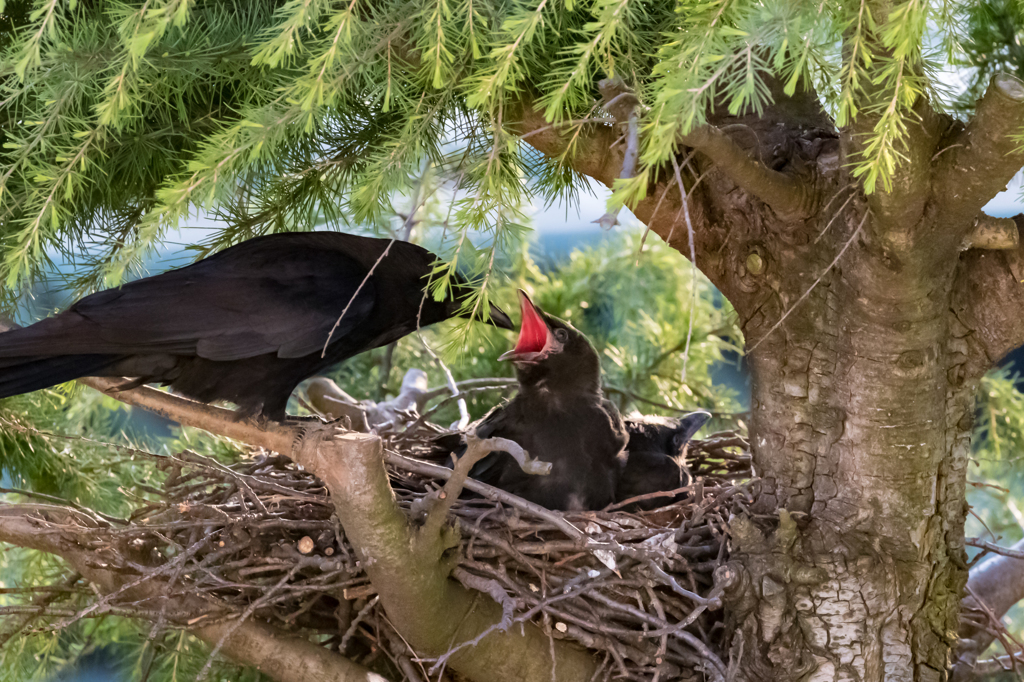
[[994, 234], [1008, 86]]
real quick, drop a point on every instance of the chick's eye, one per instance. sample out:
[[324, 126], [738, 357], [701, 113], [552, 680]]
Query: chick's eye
[[562, 335]]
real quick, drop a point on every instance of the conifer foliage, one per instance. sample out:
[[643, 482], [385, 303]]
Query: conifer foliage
[[120, 119]]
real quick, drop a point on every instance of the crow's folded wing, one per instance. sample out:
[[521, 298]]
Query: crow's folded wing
[[234, 305]]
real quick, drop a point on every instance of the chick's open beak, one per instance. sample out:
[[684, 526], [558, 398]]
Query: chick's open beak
[[534, 335]]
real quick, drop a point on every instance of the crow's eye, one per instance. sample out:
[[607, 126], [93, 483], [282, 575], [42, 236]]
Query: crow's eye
[[561, 335]]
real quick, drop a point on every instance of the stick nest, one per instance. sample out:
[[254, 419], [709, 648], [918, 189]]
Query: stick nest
[[261, 537]]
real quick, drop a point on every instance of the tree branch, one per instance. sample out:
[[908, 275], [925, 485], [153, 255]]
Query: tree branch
[[996, 668], [217, 420], [988, 300], [410, 571], [992, 234], [789, 196], [998, 582], [983, 157], [1010, 552], [596, 156], [284, 658]]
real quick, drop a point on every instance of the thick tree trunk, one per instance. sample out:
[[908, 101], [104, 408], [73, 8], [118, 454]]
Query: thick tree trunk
[[861, 417], [865, 347]]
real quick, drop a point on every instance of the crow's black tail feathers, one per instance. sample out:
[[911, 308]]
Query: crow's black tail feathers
[[25, 374]]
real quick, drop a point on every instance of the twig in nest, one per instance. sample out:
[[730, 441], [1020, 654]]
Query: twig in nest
[[534, 562], [108, 598], [649, 496], [487, 491], [441, 661], [680, 590], [483, 385], [95, 515], [354, 625], [476, 449], [246, 615], [492, 588], [161, 619]]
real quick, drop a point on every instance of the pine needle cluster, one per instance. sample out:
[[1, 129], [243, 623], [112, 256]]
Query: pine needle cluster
[[122, 119]]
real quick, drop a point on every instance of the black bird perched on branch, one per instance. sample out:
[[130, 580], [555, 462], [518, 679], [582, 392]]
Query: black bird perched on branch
[[246, 324], [655, 460], [559, 416]]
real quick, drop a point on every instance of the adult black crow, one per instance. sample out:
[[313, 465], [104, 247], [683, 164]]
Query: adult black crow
[[246, 324], [559, 416], [655, 460]]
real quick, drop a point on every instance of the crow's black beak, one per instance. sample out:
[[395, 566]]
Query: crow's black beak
[[689, 426], [494, 315], [499, 318]]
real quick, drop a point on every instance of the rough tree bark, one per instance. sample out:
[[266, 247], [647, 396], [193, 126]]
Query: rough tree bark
[[869, 320]]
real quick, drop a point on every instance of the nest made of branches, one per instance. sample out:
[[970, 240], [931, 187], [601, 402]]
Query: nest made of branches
[[262, 537]]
